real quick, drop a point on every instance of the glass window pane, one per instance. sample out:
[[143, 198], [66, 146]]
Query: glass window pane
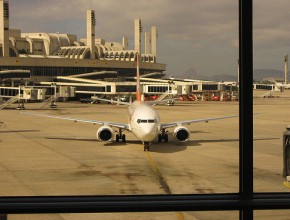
[[271, 214], [198, 40], [45, 156], [271, 45], [222, 215]]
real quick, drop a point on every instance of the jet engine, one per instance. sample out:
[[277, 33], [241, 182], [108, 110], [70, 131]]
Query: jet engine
[[181, 134], [105, 133]]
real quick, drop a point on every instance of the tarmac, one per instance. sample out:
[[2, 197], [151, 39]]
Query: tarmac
[[44, 156]]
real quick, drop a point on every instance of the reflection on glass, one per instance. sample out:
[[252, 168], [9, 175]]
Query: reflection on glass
[[271, 93], [45, 156], [221, 215], [271, 214]]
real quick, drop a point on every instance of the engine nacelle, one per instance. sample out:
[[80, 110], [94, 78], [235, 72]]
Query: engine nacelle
[[181, 134], [105, 133]]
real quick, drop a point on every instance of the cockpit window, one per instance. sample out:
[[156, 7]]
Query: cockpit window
[[145, 121]]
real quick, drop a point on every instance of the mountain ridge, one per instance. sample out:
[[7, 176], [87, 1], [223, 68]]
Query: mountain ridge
[[258, 75]]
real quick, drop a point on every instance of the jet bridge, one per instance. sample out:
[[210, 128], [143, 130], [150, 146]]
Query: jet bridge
[[46, 94], [116, 88], [12, 94], [14, 74], [99, 73]]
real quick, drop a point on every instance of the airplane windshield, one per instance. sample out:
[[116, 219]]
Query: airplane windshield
[[145, 121]]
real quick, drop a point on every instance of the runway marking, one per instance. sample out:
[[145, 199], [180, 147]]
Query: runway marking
[[155, 169], [153, 163], [180, 216], [162, 181], [2, 125], [287, 184]]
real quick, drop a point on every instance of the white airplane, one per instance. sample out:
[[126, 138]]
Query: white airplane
[[143, 121], [280, 85]]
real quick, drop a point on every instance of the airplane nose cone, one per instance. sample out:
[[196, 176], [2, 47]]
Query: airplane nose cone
[[149, 133]]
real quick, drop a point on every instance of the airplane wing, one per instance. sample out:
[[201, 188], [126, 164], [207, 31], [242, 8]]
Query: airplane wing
[[161, 101], [129, 103], [111, 124], [113, 101], [188, 122]]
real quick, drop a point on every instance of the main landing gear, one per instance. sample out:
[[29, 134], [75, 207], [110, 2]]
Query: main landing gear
[[163, 136], [120, 136]]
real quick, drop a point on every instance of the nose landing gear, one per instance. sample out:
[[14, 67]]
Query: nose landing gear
[[146, 146]]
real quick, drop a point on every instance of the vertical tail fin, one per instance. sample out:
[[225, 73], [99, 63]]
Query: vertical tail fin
[[138, 91]]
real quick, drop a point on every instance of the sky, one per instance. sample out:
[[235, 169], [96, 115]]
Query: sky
[[199, 35]]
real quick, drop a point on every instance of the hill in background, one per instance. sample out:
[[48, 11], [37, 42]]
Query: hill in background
[[259, 75]]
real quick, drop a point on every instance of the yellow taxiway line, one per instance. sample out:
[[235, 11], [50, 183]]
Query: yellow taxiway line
[[287, 184], [155, 168]]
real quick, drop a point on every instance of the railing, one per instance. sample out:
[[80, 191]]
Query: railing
[[10, 101], [48, 100]]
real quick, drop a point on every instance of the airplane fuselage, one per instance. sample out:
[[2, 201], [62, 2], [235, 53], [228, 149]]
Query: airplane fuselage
[[144, 121]]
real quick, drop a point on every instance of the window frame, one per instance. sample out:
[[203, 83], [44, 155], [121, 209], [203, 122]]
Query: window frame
[[245, 201]]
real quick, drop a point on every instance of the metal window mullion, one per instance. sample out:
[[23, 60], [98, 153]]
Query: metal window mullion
[[246, 106]]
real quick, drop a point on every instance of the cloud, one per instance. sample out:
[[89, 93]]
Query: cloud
[[271, 24], [269, 38], [178, 20], [196, 29]]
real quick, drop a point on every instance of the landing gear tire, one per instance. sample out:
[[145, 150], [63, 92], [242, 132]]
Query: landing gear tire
[[117, 138], [120, 136], [163, 137], [159, 138], [146, 146], [123, 138]]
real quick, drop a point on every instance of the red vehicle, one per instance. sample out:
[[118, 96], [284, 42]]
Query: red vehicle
[[191, 97], [153, 97], [216, 98], [186, 98]]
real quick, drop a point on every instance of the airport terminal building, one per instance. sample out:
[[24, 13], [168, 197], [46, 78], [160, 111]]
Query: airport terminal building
[[47, 55], [89, 66]]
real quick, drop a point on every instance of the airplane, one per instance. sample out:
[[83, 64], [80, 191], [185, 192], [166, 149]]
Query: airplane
[[143, 121], [280, 85]]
